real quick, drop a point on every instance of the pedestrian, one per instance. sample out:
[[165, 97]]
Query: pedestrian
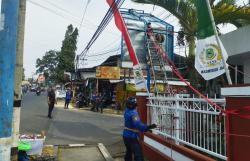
[[51, 101], [67, 98], [93, 101], [79, 97], [97, 102], [103, 100], [133, 126]]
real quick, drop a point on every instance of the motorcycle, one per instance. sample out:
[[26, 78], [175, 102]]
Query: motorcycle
[[38, 92], [81, 101]]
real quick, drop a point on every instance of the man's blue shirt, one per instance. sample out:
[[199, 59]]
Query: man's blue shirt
[[68, 95], [132, 124]]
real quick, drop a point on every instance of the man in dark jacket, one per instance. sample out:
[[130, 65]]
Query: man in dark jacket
[[51, 101]]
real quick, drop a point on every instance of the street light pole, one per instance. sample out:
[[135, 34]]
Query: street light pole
[[8, 39]]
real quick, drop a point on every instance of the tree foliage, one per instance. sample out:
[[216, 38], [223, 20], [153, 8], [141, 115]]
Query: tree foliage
[[54, 63], [47, 64]]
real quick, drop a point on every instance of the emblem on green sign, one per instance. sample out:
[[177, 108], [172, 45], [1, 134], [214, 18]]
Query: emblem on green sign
[[210, 54]]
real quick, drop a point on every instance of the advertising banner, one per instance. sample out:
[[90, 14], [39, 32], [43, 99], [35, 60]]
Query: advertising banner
[[140, 83], [106, 72], [209, 51]]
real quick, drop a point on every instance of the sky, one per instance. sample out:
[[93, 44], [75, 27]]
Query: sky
[[47, 21]]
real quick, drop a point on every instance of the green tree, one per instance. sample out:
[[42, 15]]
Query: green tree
[[47, 65], [67, 54]]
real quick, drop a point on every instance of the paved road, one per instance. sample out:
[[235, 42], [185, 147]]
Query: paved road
[[72, 126]]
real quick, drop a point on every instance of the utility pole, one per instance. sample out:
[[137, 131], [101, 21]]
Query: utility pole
[[18, 79], [8, 39]]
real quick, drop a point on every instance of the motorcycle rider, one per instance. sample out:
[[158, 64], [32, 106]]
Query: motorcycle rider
[[38, 90]]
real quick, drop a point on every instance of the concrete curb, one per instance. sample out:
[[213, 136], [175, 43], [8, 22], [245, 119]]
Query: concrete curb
[[100, 146], [105, 152]]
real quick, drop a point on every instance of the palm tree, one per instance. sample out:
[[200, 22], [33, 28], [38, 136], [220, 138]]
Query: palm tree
[[224, 11]]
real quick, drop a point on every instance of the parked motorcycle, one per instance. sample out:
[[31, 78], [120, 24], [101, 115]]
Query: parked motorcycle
[[81, 101]]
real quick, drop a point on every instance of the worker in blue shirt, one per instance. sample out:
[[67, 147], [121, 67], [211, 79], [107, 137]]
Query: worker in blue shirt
[[67, 98], [133, 126]]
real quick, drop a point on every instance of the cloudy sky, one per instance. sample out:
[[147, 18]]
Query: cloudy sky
[[47, 21]]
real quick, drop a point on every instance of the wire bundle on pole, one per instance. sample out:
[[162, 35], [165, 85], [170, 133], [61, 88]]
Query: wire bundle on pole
[[103, 52], [105, 21]]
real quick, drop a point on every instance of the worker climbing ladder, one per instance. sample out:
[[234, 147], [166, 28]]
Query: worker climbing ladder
[[157, 66], [149, 59]]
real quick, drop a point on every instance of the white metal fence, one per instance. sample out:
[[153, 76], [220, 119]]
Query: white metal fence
[[191, 122]]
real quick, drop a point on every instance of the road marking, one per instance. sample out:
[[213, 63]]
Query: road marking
[[105, 152], [76, 145]]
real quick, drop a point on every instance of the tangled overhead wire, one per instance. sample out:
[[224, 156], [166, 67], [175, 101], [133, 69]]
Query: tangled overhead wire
[[105, 21]]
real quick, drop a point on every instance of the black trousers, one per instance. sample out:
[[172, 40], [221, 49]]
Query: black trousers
[[133, 148], [101, 105], [66, 105], [94, 106], [51, 107]]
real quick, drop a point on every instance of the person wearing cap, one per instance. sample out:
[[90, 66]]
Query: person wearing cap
[[133, 126]]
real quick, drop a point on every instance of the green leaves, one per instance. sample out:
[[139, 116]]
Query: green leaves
[[67, 54], [47, 64], [54, 63]]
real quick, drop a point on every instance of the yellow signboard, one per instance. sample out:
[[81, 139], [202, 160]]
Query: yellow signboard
[[131, 87], [106, 72]]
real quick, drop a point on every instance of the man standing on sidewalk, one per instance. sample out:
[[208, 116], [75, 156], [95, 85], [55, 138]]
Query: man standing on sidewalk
[[51, 100], [67, 98]]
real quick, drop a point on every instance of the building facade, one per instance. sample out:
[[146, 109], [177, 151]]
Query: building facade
[[238, 48]]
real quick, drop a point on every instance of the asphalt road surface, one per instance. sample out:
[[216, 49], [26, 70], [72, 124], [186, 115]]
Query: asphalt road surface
[[70, 126]]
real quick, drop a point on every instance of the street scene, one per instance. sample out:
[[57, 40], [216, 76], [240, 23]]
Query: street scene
[[116, 80], [71, 126]]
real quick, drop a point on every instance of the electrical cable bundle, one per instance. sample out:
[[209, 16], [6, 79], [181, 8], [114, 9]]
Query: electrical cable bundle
[[107, 18], [103, 52]]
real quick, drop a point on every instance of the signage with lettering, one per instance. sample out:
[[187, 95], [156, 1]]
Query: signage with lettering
[[106, 72]]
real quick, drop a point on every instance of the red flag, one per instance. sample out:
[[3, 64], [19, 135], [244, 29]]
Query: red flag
[[120, 24]]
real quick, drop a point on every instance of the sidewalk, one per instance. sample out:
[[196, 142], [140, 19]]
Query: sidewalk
[[117, 151], [108, 110], [75, 152]]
